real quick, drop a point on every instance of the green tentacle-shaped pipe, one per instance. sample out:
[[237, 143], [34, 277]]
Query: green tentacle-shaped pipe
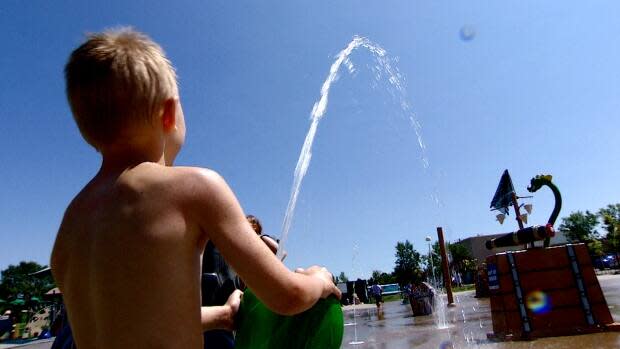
[[537, 183]]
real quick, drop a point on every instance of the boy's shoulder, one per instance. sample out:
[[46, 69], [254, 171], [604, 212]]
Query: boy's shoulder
[[153, 174], [178, 179], [150, 181], [193, 185]]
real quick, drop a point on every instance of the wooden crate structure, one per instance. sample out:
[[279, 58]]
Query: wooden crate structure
[[542, 292]]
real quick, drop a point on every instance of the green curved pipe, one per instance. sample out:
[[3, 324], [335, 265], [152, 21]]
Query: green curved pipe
[[537, 183]]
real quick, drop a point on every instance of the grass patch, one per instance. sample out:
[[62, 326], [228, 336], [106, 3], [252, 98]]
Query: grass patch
[[392, 298], [464, 288]]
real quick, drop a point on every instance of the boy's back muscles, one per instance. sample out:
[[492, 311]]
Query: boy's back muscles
[[127, 258]]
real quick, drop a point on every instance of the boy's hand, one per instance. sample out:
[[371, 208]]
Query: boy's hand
[[325, 276]]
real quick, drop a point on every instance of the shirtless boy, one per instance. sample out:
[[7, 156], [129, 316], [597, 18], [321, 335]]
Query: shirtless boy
[[127, 254]]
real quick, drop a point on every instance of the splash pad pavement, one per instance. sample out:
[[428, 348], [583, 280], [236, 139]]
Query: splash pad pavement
[[468, 325]]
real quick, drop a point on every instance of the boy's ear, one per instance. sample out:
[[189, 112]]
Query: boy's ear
[[168, 116]]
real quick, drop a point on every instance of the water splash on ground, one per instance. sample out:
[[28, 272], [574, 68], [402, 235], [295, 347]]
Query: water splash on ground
[[439, 310]]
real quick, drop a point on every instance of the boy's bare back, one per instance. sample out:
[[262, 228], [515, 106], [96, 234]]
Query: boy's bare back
[[127, 254], [129, 257]]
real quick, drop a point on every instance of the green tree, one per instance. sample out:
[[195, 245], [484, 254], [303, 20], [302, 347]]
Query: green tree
[[581, 227], [381, 278], [376, 275], [462, 260], [459, 254], [610, 216], [16, 279], [407, 266], [341, 277], [595, 247]]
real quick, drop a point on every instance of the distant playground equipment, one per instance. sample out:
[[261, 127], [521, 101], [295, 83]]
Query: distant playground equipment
[[359, 288], [481, 281], [422, 299], [27, 324], [542, 291], [39, 323], [533, 233], [28, 317]]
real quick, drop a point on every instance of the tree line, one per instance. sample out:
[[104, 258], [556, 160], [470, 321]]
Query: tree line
[[582, 227], [414, 266], [18, 283]]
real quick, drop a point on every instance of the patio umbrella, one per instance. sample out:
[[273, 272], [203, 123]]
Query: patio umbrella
[[17, 302], [35, 299]]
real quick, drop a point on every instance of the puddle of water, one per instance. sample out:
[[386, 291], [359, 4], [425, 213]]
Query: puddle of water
[[398, 329]]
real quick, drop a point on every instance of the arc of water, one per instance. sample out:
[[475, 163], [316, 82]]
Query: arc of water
[[318, 111]]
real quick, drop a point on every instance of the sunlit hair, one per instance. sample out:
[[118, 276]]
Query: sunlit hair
[[255, 223], [116, 79]]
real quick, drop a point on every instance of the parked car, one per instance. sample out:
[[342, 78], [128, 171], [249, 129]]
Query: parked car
[[609, 261]]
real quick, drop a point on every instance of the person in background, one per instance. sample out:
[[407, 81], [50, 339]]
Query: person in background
[[219, 281], [406, 293], [377, 293], [269, 240]]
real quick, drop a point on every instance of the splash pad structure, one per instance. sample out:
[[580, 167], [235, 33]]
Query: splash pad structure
[[544, 291]]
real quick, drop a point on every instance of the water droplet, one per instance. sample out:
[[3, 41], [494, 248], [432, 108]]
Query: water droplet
[[467, 33]]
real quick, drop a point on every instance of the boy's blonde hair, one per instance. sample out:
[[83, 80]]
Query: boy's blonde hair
[[115, 79]]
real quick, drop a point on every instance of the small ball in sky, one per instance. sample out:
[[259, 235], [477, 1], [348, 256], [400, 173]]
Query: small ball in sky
[[467, 33]]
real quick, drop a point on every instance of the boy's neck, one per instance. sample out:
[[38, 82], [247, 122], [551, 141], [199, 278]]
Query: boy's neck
[[118, 159]]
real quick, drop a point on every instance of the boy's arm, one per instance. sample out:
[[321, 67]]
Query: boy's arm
[[220, 216]]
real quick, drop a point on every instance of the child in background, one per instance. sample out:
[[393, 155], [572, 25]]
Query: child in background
[[219, 282], [269, 240]]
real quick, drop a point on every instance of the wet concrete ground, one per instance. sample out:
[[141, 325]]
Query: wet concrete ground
[[469, 322]]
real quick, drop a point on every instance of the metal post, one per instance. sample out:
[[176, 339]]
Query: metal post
[[444, 264], [515, 204]]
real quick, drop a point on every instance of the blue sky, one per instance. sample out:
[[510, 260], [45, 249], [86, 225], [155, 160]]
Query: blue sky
[[536, 91]]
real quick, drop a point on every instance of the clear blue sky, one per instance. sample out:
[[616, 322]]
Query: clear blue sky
[[536, 90]]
